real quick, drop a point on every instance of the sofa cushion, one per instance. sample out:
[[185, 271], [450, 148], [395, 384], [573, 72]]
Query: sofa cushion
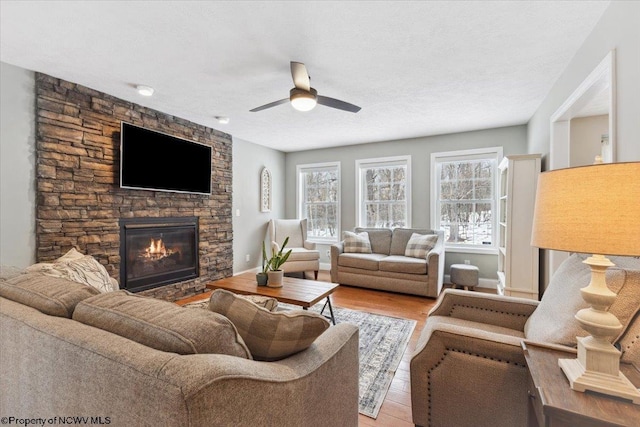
[[269, 335], [553, 321], [9, 272], [54, 296], [356, 242], [420, 244], [269, 303], [380, 239], [161, 325], [363, 261], [403, 264], [401, 237]]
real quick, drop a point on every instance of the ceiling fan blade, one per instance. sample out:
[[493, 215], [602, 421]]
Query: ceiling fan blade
[[300, 76], [271, 104], [336, 103]]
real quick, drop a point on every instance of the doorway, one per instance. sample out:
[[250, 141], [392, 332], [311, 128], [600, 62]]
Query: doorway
[[589, 116]]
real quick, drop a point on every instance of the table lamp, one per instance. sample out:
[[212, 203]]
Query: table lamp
[[596, 210]]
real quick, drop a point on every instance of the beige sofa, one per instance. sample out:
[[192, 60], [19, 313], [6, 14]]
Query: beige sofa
[[387, 268], [468, 368], [54, 366]]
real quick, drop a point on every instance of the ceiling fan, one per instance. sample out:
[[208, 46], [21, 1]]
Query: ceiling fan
[[303, 97]]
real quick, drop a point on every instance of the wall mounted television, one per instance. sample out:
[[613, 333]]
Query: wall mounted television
[[151, 160]]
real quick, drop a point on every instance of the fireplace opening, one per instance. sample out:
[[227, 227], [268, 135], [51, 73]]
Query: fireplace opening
[[157, 251]]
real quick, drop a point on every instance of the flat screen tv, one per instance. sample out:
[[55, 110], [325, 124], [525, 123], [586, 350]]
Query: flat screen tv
[[151, 160]]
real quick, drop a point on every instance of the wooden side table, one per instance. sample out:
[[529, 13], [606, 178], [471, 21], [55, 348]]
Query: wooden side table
[[552, 403]]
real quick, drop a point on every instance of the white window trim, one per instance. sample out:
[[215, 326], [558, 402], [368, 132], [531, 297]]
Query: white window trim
[[382, 161], [477, 153], [325, 165]]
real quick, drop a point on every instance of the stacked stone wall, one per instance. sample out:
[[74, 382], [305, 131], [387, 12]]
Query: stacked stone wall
[[79, 199]]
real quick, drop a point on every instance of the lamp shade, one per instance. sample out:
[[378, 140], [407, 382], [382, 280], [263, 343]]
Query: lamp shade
[[591, 209]]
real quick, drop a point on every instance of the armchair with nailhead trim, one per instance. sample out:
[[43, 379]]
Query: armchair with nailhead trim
[[468, 367]]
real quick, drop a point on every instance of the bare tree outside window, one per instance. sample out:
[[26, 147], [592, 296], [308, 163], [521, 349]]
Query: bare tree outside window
[[466, 201], [320, 201], [384, 198]]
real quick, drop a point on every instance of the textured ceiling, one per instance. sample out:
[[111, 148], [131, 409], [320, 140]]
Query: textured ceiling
[[416, 68]]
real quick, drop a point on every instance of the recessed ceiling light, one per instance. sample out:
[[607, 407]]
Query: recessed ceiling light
[[222, 119], [145, 90]]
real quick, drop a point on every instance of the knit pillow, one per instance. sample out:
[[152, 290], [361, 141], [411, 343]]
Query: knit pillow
[[269, 335], [161, 325], [420, 244], [356, 243], [79, 268]]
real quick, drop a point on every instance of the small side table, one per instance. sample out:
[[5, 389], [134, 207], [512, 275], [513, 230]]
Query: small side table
[[552, 403]]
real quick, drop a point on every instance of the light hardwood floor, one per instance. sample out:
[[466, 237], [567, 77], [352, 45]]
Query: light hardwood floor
[[396, 409]]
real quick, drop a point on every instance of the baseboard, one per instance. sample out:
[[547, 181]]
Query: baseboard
[[251, 270], [325, 266], [482, 282]]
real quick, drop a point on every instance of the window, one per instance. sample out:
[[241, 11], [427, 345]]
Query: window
[[319, 200], [384, 192], [463, 198]]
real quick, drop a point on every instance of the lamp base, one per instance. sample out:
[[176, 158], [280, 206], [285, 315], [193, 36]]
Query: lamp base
[[612, 383]]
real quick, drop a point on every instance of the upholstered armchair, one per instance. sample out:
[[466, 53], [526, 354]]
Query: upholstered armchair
[[468, 368], [304, 256]]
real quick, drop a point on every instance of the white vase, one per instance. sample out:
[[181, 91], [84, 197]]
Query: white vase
[[275, 278]]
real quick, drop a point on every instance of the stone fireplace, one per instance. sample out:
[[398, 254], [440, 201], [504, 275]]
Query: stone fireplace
[[156, 252], [80, 203]]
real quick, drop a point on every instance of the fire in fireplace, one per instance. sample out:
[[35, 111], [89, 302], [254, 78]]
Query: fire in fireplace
[[157, 251]]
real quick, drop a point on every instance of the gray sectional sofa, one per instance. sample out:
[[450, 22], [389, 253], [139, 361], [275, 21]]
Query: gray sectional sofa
[[52, 365], [386, 268]]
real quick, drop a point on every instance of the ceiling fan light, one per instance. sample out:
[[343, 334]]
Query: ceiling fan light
[[302, 100]]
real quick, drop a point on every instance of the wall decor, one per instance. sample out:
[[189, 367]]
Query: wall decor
[[265, 190]]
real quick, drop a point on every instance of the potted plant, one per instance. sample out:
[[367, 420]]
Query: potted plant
[[274, 264], [262, 277]]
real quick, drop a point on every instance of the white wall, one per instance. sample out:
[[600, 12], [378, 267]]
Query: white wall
[[17, 166], [513, 139], [250, 228], [617, 29], [585, 139]]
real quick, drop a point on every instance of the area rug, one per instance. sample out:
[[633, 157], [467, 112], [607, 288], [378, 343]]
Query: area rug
[[383, 340]]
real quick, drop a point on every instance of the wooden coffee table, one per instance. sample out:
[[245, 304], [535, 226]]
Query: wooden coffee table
[[301, 292]]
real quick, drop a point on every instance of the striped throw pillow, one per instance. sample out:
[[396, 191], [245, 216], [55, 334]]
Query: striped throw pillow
[[356, 243], [268, 335], [419, 244]]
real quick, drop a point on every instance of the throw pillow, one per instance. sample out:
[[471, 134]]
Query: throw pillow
[[269, 335], [356, 242], [79, 268], [420, 244], [161, 325], [54, 296], [553, 321]]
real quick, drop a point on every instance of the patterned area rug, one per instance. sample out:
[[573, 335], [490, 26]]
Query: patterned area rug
[[383, 340]]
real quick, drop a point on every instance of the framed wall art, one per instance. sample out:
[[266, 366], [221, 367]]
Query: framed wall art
[[265, 190]]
